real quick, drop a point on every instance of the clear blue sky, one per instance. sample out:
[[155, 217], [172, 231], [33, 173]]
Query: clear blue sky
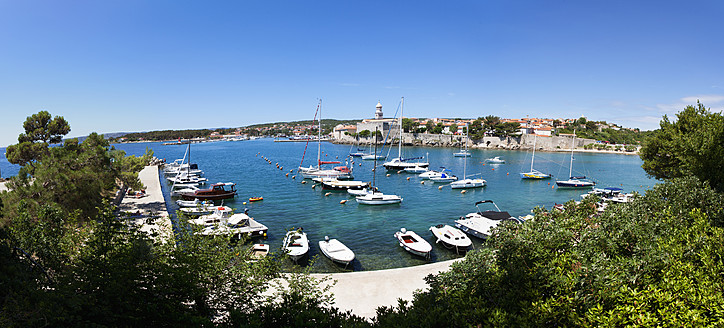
[[127, 65]]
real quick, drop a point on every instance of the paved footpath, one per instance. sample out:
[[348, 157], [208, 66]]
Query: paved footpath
[[149, 211], [363, 292]]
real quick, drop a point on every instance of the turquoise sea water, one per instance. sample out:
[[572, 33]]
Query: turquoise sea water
[[368, 230]]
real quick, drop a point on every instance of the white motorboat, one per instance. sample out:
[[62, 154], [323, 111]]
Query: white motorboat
[[193, 203], [359, 192], [400, 163], [468, 183], [199, 210], [431, 174], [225, 222], [416, 169], [444, 177], [186, 189], [481, 223], [495, 160], [462, 153], [371, 157], [451, 237], [578, 182], [336, 184], [336, 251], [533, 173], [296, 244], [413, 243], [185, 179], [378, 198]]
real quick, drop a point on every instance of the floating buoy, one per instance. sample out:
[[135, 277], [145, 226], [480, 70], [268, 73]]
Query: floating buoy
[[388, 174], [400, 171], [549, 183], [314, 186], [343, 201], [294, 176], [422, 182], [303, 182], [290, 171], [327, 194], [553, 187], [439, 188], [463, 191], [286, 174], [244, 203], [408, 178], [507, 173], [493, 169]]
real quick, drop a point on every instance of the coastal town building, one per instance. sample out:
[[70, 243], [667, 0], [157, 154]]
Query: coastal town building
[[386, 126]]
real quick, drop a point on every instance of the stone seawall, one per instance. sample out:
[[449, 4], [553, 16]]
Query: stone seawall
[[524, 142]]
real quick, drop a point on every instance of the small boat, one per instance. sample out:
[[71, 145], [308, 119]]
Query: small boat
[[413, 243], [255, 199], [187, 179], [579, 182], [375, 197], [199, 210], [296, 244], [468, 183], [444, 177], [359, 192], [378, 198], [193, 203], [431, 174], [399, 163], [336, 251], [534, 174], [223, 221], [416, 169], [451, 237], [335, 184], [371, 157], [480, 223], [217, 191], [495, 160], [462, 153], [258, 252]]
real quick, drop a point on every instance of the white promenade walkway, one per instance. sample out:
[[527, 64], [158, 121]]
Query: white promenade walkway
[[149, 211], [363, 292]]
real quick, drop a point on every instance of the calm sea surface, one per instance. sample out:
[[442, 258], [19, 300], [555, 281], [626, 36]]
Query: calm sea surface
[[368, 230]]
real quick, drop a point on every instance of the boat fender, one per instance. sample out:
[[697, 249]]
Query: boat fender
[[281, 168], [507, 173]]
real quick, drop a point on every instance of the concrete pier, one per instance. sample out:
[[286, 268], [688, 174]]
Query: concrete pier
[[149, 211]]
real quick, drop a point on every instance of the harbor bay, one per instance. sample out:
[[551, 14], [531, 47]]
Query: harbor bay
[[368, 230]]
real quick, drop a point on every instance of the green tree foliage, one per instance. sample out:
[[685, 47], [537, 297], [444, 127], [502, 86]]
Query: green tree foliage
[[654, 262], [409, 125], [453, 128], [506, 129], [364, 133], [429, 126], [40, 130], [693, 145]]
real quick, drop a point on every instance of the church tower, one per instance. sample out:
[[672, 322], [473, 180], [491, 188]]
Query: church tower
[[378, 112]]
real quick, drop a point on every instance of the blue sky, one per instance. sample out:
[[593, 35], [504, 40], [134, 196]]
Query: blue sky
[[111, 66]]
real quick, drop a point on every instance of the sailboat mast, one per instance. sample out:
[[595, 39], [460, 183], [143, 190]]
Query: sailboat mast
[[374, 168], [573, 144], [465, 163], [535, 138], [319, 136], [399, 143]]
